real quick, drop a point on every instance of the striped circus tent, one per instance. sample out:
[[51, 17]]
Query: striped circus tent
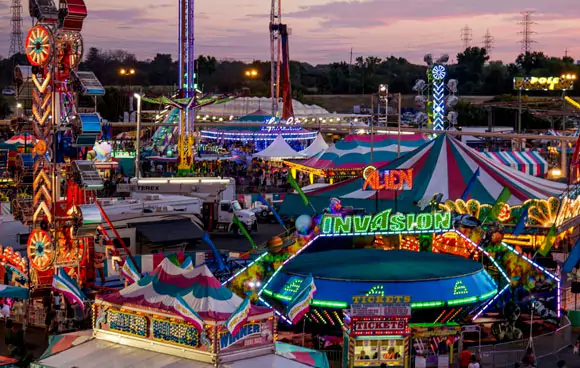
[[446, 165], [169, 282], [354, 151], [529, 162]]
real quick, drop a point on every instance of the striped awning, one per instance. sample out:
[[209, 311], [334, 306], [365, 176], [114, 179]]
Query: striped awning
[[529, 162]]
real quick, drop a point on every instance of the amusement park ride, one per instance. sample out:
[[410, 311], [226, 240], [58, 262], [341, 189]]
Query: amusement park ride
[[280, 62], [63, 223]]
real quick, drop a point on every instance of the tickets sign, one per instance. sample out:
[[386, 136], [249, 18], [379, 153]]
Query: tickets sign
[[380, 326], [381, 306]]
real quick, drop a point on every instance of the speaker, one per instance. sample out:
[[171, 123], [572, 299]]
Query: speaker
[[575, 287]]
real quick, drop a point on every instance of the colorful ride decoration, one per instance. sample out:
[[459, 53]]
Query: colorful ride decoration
[[55, 49], [14, 260]]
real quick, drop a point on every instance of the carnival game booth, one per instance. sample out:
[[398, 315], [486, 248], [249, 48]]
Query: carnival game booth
[[183, 312], [347, 158], [260, 129]]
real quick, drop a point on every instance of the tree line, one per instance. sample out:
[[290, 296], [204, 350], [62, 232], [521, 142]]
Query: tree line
[[477, 75]]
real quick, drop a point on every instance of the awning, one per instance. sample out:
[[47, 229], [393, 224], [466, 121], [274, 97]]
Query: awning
[[169, 231], [529, 162], [8, 291]]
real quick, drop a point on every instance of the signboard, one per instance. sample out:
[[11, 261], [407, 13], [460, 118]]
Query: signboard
[[251, 334], [381, 306], [275, 125], [563, 83], [385, 223], [174, 333], [376, 179], [380, 326], [158, 188]]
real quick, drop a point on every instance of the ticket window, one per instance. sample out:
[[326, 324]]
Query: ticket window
[[373, 353]]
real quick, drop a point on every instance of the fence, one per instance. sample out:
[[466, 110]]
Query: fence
[[506, 354]]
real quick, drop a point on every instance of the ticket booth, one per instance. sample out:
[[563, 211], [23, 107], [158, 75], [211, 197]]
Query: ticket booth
[[377, 331]]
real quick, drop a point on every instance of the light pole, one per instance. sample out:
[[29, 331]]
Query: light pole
[[138, 140]]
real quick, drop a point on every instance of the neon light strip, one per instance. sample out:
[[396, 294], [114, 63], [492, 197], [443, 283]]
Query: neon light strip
[[405, 232], [490, 302], [244, 269], [416, 305]]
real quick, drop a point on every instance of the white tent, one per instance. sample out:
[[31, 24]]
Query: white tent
[[315, 148], [278, 150]]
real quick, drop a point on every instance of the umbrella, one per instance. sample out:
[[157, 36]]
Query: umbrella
[[15, 292]]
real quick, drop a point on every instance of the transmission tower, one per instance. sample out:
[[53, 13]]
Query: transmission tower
[[16, 40], [466, 36], [527, 32], [488, 42]]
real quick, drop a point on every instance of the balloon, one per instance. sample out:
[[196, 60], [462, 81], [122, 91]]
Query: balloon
[[303, 224]]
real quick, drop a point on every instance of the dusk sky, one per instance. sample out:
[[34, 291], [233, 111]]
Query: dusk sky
[[324, 31]]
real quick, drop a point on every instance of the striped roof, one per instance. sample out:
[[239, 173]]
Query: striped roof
[[198, 288], [354, 151], [446, 165], [529, 162]]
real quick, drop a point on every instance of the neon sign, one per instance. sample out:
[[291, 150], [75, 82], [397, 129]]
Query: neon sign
[[384, 224], [274, 125], [438, 74], [387, 179], [565, 82], [460, 288]]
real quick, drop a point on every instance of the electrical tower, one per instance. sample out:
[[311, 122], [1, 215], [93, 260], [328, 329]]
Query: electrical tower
[[527, 32], [488, 42], [466, 36], [16, 39]]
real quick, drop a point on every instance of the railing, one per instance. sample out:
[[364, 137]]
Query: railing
[[506, 354], [334, 358]]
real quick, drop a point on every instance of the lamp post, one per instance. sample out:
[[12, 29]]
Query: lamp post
[[138, 138]]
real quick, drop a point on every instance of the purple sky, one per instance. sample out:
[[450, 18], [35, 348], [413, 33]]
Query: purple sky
[[324, 30]]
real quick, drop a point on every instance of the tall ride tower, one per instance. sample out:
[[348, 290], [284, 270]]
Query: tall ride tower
[[16, 40], [280, 63], [186, 80]]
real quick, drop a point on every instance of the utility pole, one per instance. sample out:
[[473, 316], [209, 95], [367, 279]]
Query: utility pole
[[466, 36], [527, 32], [349, 70]]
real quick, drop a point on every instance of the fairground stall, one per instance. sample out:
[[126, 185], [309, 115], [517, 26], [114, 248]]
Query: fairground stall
[[181, 316]]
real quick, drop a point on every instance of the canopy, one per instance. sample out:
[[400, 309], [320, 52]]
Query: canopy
[[529, 162], [19, 140], [315, 148], [278, 149], [198, 288], [446, 165], [354, 151], [15, 292]]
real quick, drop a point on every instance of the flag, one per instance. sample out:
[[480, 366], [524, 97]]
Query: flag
[[271, 208], [297, 188], [218, 256], [549, 242], [500, 202], [63, 283], [187, 264], [129, 271], [244, 231], [470, 185], [300, 303], [521, 225], [188, 313], [238, 317], [573, 258]]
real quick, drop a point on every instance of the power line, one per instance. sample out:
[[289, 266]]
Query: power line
[[488, 42], [466, 36], [16, 40], [527, 32]]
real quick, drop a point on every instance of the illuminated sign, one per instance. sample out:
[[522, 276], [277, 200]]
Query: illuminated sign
[[387, 179], [381, 306], [565, 82], [250, 334], [380, 326], [274, 125], [460, 288], [384, 224]]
